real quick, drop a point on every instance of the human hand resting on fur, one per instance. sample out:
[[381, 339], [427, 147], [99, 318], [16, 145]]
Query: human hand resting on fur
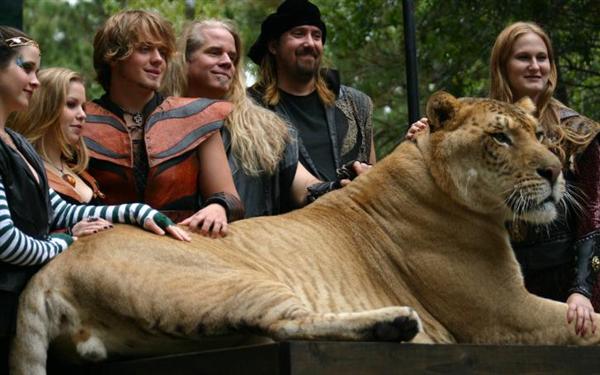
[[582, 311], [210, 221], [159, 224], [90, 225], [359, 168], [416, 128]]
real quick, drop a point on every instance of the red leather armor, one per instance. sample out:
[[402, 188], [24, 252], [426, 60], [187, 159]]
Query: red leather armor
[[172, 132]]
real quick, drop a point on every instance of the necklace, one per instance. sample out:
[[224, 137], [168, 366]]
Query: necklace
[[137, 117], [65, 176]]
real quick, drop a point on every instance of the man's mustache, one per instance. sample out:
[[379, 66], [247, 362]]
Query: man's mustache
[[308, 51]]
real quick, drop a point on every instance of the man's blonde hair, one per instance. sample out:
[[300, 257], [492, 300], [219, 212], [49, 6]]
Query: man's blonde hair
[[258, 136], [120, 35]]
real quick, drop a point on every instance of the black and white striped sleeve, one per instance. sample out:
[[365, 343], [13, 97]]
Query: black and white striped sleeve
[[67, 214], [18, 248]]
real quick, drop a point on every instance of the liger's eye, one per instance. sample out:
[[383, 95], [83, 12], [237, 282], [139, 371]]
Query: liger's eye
[[501, 139], [539, 136]]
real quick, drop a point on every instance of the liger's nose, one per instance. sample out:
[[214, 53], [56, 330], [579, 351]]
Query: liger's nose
[[549, 173]]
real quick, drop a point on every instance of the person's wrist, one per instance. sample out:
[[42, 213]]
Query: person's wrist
[[234, 210]]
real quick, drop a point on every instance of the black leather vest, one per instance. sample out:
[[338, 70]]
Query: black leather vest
[[31, 212]]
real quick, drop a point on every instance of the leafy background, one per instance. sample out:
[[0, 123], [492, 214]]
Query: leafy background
[[365, 42]]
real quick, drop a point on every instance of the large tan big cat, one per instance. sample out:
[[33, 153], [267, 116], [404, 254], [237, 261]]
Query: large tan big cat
[[424, 228]]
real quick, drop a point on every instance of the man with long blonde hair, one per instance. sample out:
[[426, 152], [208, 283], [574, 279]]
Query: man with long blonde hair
[[333, 121], [261, 149]]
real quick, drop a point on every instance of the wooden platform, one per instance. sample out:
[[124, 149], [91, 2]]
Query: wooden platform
[[314, 358]]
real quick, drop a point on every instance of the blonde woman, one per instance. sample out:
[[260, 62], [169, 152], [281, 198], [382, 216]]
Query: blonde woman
[[29, 209], [53, 124], [261, 148], [522, 64]]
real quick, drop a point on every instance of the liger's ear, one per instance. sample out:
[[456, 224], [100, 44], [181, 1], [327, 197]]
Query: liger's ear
[[527, 105], [441, 107]]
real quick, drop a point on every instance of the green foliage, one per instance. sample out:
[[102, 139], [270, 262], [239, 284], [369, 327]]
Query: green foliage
[[365, 42]]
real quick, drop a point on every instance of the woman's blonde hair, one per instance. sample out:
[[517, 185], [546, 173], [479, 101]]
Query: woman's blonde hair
[[40, 123], [547, 107], [258, 136]]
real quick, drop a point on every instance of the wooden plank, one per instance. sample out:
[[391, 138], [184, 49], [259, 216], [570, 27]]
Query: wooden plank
[[328, 358], [259, 359], [333, 358]]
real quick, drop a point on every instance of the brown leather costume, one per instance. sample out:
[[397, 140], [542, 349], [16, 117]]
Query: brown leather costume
[[172, 133], [66, 191]]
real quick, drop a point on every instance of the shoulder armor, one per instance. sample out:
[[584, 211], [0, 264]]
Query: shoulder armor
[[181, 124], [106, 136]]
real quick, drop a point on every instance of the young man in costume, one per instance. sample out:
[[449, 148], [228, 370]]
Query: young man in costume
[[333, 121], [166, 152]]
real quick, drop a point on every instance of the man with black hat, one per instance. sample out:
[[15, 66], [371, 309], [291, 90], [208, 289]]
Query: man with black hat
[[333, 121]]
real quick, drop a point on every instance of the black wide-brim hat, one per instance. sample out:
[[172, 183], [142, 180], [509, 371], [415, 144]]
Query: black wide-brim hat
[[289, 14]]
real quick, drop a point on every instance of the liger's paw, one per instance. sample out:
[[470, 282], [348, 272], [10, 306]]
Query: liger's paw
[[401, 328]]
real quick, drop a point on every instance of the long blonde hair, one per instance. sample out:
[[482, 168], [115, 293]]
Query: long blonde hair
[[547, 107], [40, 123], [258, 136]]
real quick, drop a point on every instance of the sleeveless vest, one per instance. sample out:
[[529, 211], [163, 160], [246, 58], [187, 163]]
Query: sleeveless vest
[[31, 213]]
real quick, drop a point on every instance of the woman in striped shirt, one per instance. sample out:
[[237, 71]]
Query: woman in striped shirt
[[29, 210]]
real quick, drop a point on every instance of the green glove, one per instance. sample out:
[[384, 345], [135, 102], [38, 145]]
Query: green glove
[[162, 221], [57, 238]]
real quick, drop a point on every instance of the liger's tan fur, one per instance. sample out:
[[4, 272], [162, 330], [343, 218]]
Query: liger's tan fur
[[424, 228]]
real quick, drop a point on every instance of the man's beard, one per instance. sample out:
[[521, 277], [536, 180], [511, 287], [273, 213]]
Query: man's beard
[[307, 70]]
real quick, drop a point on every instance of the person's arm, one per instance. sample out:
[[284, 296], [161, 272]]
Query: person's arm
[[299, 189], [67, 214], [306, 188], [20, 249], [221, 201], [587, 180]]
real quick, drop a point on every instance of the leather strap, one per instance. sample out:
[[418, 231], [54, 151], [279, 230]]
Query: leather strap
[[233, 206]]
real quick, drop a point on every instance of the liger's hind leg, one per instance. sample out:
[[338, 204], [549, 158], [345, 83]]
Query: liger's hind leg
[[273, 310]]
